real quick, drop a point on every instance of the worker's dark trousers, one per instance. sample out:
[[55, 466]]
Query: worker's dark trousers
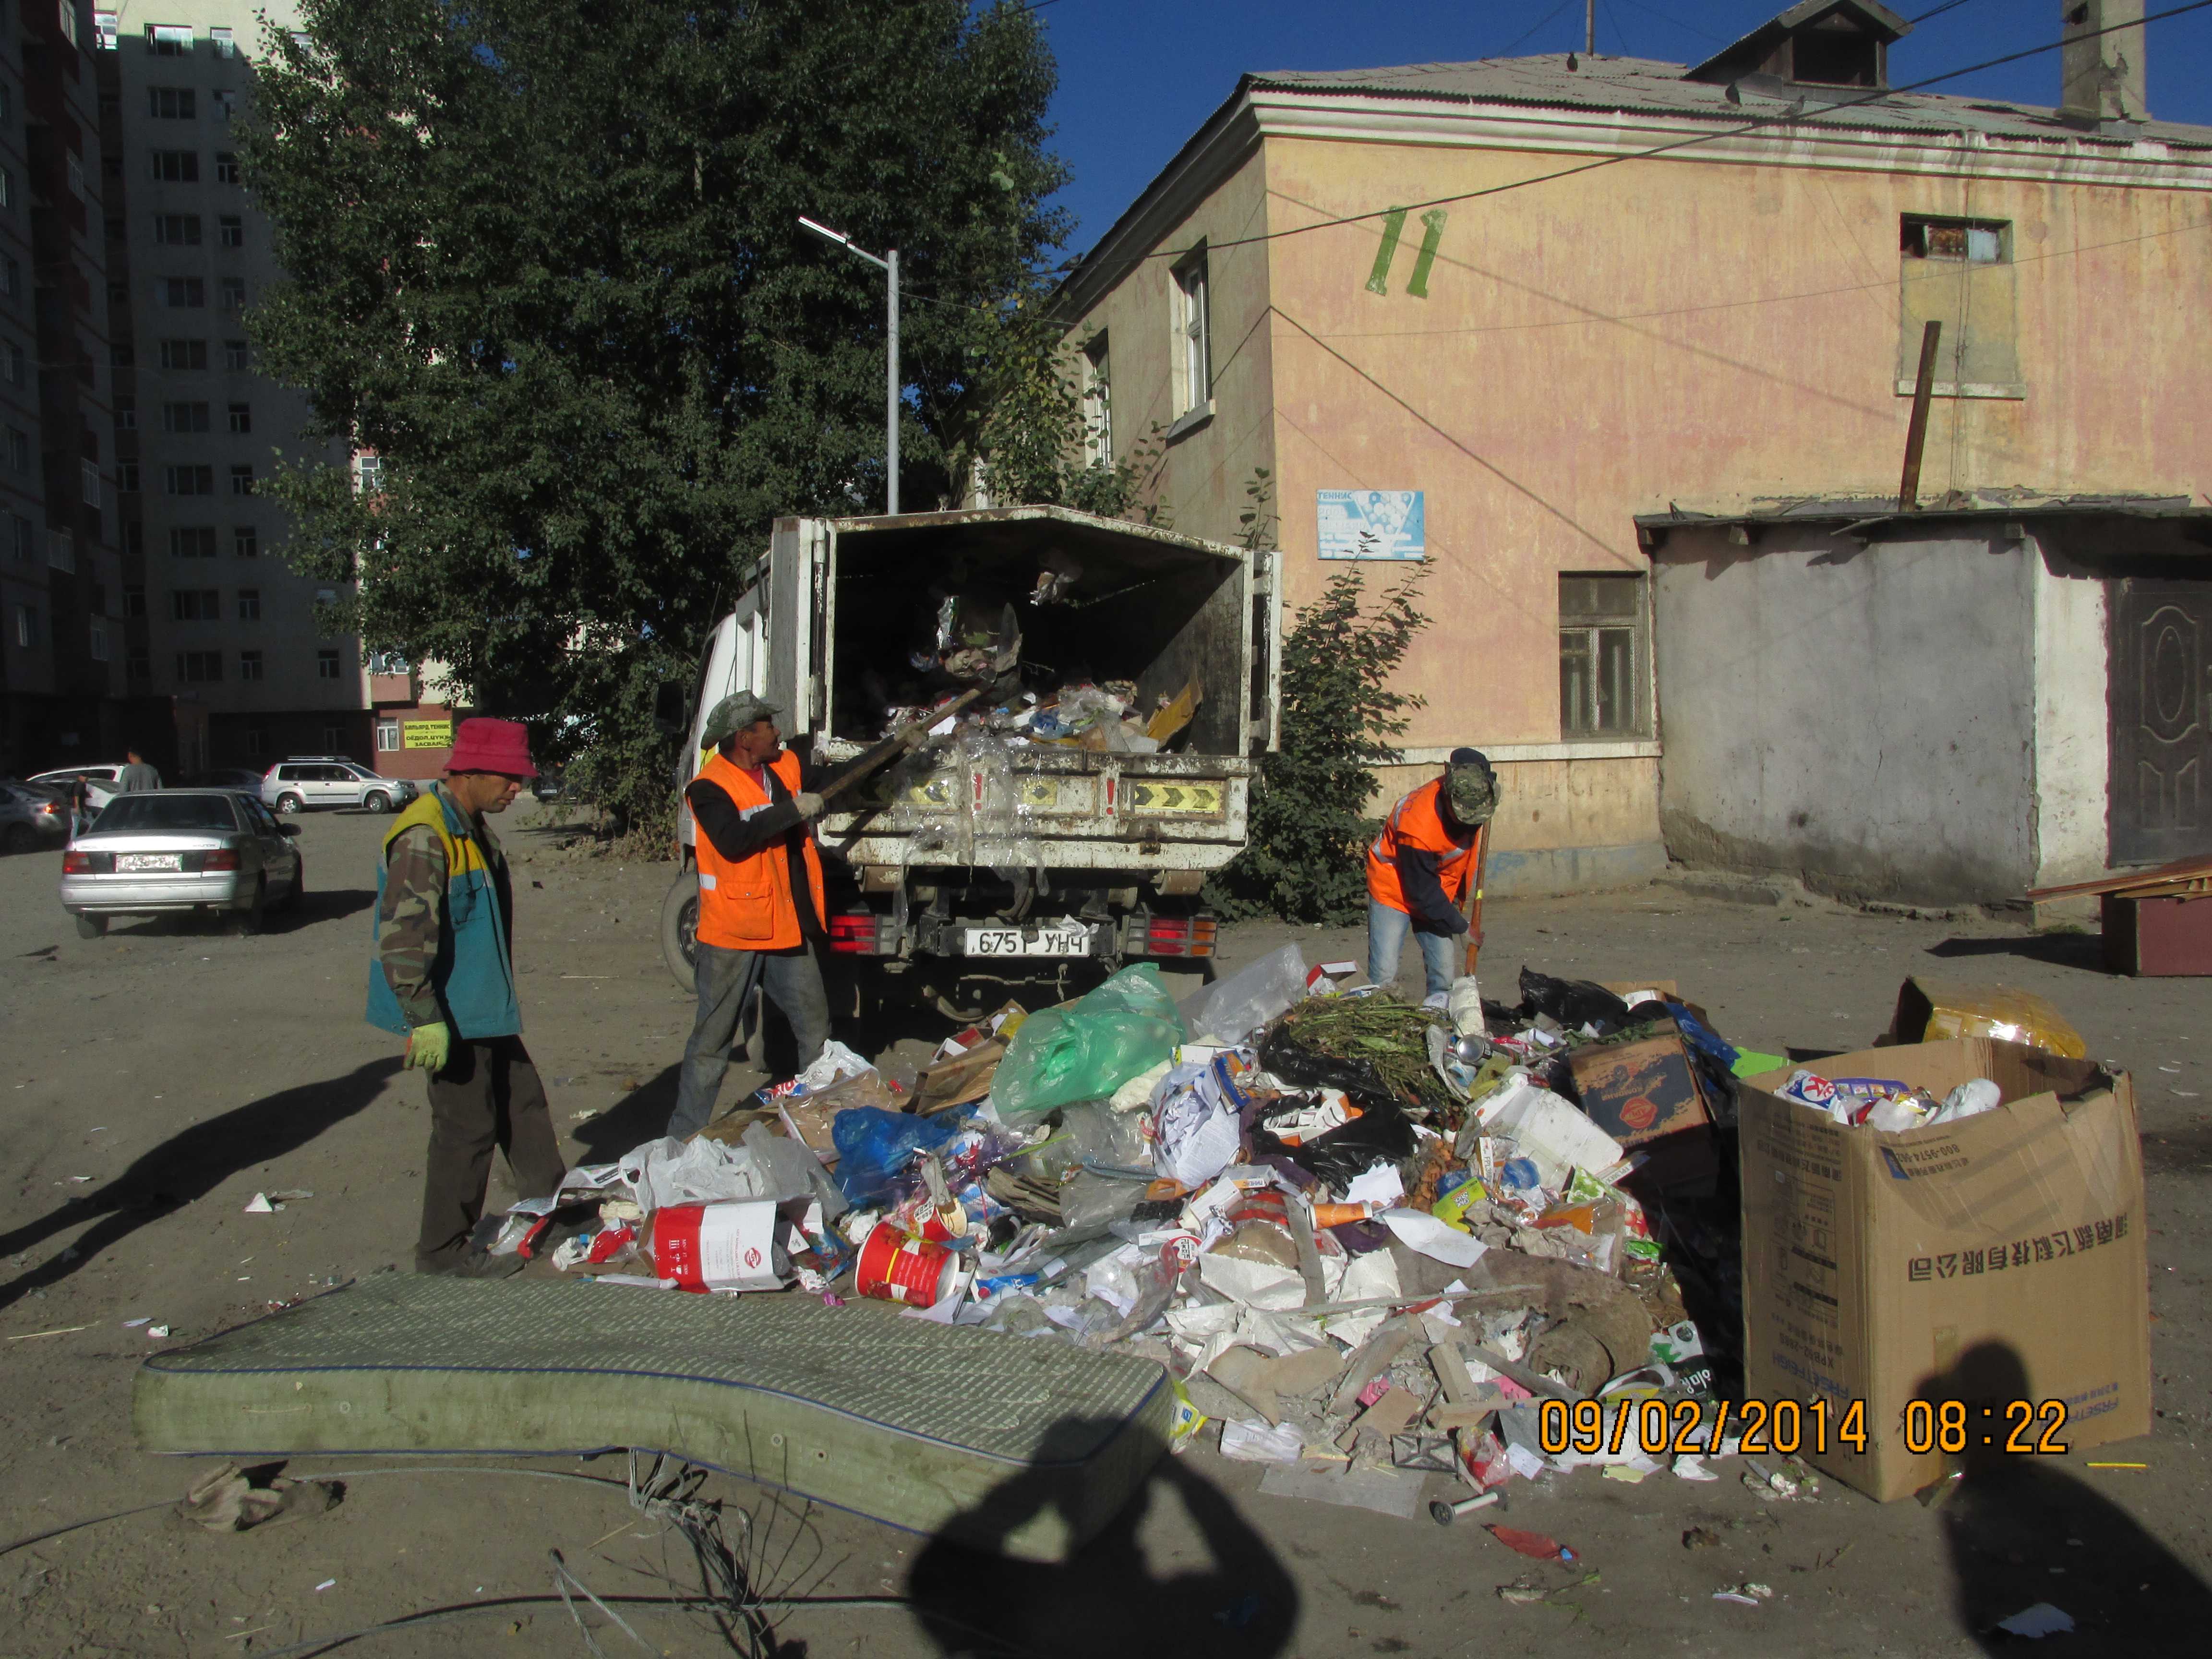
[[488, 1095], [725, 980]]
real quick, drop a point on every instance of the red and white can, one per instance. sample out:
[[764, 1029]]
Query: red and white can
[[896, 1267]]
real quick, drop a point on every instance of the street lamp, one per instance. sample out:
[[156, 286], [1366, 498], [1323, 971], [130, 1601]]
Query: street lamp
[[889, 265]]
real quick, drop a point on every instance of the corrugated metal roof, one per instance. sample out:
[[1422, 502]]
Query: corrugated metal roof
[[1633, 85]]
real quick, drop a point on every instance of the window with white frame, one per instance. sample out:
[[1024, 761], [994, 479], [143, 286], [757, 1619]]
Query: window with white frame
[[88, 482], [169, 40], [1194, 347], [28, 633], [1604, 656], [224, 45], [1097, 403], [73, 174], [99, 640], [61, 550], [387, 735], [68, 10]]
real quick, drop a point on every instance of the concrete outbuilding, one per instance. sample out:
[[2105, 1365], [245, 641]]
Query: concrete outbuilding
[[1945, 706]]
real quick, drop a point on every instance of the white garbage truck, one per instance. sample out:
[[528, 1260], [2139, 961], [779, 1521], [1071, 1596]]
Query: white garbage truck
[[1046, 823]]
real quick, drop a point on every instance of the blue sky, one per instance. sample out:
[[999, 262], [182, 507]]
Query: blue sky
[[1138, 77]]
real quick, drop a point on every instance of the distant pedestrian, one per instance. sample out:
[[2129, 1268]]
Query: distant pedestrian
[[761, 904], [1420, 868], [444, 977], [136, 774]]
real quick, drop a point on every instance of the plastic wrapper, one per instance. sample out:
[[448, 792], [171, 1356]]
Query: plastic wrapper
[[1232, 1009], [1092, 1203], [1086, 1052], [1096, 1133], [875, 1147], [1935, 1010], [666, 1172]]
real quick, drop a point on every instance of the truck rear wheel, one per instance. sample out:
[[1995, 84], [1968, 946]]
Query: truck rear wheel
[[679, 928]]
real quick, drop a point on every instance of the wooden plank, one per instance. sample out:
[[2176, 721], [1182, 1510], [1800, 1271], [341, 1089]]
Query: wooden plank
[[2129, 881]]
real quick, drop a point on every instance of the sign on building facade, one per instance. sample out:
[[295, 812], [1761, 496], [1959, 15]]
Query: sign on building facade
[[1372, 523]]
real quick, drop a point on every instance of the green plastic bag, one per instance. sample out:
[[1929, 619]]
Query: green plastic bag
[[1087, 1050]]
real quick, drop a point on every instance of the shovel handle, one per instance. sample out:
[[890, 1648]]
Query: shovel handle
[[891, 747]]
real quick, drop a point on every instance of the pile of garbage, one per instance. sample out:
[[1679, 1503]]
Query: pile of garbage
[[976, 646], [1363, 1237]]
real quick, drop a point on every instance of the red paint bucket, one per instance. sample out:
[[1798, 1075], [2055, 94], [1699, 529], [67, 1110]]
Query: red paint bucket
[[896, 1267]]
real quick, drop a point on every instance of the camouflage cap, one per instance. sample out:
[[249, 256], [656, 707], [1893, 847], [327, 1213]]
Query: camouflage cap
[[734, 713], [1471, 786]]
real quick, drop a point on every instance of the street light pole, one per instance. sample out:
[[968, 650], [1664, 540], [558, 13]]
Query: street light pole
[[891, 389], [889, 265]]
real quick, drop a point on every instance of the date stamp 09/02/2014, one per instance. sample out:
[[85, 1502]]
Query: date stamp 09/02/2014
[[1664, 1428]]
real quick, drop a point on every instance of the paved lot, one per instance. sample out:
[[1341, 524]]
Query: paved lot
[[155, 1080]]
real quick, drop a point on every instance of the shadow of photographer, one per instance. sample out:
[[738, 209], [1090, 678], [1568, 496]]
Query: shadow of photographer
[[1105, 1598], [2023, 1529]]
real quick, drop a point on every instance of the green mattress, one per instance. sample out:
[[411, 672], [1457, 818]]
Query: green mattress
[[1024, 1446]]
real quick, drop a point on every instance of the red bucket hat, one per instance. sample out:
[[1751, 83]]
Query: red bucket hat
[[488, 746]]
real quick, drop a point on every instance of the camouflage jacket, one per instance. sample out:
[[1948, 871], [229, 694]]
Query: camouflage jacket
[[410, 915]]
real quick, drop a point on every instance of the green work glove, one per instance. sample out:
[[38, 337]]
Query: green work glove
[[430, 1046]]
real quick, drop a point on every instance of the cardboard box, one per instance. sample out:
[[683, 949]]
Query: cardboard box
[[1998, 1258], [1640, 1090]]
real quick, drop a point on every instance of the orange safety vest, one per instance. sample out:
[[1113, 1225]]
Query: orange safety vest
[[1418, 822], [746, 904]]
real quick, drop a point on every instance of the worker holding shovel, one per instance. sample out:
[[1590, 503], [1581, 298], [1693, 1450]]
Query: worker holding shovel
[[1425, 866], [762, 916]]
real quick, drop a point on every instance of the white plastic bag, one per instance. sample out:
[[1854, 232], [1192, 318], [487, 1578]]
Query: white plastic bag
[[1230, 1010]]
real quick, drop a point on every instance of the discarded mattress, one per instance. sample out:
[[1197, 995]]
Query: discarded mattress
[[1028, 1447]]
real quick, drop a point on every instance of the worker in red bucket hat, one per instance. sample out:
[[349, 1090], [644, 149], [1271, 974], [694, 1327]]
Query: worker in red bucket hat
[[444, 978]]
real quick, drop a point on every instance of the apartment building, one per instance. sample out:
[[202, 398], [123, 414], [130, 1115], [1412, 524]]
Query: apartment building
[[224, 631], [62, 693]]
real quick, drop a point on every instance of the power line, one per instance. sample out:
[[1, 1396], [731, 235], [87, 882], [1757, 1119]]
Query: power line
[[1542, 23], [1935, 11], [1682, 143]]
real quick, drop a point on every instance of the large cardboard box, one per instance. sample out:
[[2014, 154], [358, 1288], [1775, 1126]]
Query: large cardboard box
[[1986, 1261]]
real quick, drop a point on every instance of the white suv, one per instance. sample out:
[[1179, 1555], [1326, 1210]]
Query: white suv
[[311, 780]]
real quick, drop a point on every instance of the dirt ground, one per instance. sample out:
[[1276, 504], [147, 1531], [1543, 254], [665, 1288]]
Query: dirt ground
[[157, 1079]]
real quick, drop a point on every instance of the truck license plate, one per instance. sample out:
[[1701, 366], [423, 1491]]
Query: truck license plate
[[133, 863], [1013, 942]]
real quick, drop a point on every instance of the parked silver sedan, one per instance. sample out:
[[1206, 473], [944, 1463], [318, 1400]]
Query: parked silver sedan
[[31, 818], [182, 850]]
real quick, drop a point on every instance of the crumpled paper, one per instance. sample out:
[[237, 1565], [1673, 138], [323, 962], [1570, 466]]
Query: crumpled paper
[[224, 1500]]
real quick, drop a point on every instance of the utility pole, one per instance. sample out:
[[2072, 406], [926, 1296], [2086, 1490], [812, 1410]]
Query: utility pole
[[889, 265], [1589, 28]]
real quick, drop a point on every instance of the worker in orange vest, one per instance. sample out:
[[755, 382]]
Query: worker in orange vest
[[1418, 868], [762, 915]]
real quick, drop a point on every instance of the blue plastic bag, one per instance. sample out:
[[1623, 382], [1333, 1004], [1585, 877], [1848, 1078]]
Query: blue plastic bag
[[875, 1146]]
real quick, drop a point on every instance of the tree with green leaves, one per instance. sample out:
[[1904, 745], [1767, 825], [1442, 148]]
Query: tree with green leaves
[[1310, 826], [544, 260]]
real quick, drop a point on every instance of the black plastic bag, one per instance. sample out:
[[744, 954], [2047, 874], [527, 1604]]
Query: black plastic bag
[[1382, 1133], [1302, 1069], [1574, 1003]]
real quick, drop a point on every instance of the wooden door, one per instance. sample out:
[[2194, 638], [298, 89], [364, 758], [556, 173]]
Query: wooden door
[[2161, 709]]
